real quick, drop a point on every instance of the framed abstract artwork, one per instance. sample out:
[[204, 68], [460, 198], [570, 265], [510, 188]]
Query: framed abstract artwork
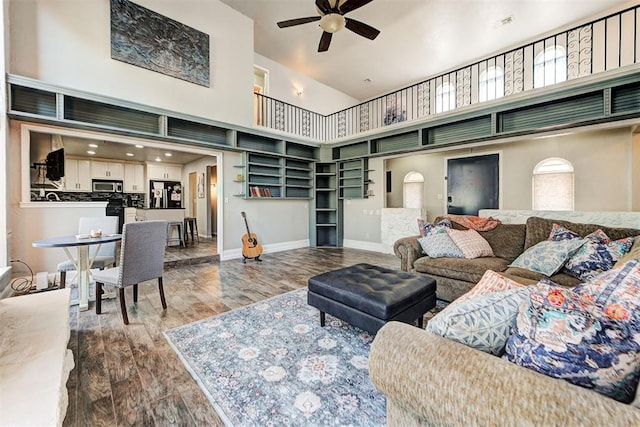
[[144, 38]]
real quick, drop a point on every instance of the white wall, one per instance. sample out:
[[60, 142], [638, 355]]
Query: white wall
[[316, 96], [279, 224], [67, 42], [635, 174], [604, 173]]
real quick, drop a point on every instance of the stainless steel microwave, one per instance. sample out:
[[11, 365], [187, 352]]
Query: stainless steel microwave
[[105, 186]]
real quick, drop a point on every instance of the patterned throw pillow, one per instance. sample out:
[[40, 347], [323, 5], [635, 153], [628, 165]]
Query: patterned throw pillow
[[547, 257], [483, 322], [595, 257], [425, 228], [490, 282], [470, 242], [590, 337], [558, 232], [438, 244]]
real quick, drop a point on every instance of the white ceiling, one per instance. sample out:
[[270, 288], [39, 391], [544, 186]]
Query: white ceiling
[[419, 38]]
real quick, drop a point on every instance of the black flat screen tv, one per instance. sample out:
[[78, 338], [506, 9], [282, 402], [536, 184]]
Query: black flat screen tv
[[55, 165]]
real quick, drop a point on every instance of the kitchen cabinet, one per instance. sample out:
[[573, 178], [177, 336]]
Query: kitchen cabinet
[[134, 178], [107, 170], [164, 172], [77, 175]]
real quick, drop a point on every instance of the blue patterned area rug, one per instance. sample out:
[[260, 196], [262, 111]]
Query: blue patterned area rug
[[270, 363]]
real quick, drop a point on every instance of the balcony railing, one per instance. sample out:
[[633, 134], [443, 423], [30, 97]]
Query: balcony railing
[[597, 46]]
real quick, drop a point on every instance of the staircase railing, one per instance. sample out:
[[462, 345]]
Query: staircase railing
[[600, 45]]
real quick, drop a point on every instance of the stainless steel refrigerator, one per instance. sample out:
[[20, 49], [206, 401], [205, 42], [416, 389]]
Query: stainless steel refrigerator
[[165, 194]]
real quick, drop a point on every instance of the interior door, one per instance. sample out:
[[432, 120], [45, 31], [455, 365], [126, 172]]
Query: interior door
[[472, 184]]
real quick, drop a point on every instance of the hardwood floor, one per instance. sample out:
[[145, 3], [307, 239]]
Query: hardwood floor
[[128, 375]]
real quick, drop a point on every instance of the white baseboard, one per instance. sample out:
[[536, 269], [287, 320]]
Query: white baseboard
[[365, 246], [267, 249]]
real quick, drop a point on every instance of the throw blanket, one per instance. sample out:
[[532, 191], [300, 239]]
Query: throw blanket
[[475, 222]]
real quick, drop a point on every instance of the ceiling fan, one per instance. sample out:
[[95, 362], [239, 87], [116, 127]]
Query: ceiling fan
[[331, 16]]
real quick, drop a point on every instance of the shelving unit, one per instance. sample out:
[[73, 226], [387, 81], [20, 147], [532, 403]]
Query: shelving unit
[[326, 218], [354, 179], [240, 179], [269, 177]]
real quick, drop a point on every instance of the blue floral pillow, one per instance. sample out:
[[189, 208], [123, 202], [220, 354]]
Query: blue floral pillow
[[425, 227], [566, 335], [438, 244], [595, 257], [548, 256]]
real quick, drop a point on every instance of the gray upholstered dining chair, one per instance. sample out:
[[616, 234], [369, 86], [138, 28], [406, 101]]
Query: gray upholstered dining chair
[[106, 253], [141, 259]]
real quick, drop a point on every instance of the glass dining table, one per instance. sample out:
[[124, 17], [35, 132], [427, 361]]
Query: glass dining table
[[83, 261]]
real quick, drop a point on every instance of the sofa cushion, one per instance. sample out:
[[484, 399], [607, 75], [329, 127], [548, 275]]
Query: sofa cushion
[[470, 243], [561, 279], [491, 281], [438, 244], [566, 335], [538, 230], [548, 256], [506, 240], [468, 270], [483, 321]]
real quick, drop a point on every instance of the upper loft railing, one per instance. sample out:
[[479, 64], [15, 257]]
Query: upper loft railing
[[597, 46]]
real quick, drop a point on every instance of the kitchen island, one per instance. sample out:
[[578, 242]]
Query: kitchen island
[[167, 214]]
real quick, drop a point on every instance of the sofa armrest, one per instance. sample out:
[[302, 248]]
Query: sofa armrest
[[431, 380], [408, 250]]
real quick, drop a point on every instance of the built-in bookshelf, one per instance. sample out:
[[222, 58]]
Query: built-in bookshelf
[[353, 177], [269, 177], [326, 216]]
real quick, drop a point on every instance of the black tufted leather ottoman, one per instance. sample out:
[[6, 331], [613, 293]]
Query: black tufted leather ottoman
[[368, 296]]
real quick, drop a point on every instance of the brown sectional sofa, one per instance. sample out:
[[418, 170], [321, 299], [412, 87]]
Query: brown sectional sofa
[[456, 276]]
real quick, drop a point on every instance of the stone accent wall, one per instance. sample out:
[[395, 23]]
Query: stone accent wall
[[397, 223], [609, 219]]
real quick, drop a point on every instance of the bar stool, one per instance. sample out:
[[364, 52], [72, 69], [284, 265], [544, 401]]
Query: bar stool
[[191, 223], [179, 227]]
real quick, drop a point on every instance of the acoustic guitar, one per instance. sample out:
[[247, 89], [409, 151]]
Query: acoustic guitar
[[250, 246]]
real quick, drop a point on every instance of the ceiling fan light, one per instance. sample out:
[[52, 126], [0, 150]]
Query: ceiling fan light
[[332, 22]]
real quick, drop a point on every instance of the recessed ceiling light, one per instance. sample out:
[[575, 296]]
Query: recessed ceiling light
[[91, 152], [168, 154], [139, 146], [130, 154], [158, 159], [93, 145]]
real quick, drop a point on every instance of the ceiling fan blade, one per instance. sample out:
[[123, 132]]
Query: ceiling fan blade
[[361, 28], [324, 6], [350, 5], [298, 21], [325, 40]]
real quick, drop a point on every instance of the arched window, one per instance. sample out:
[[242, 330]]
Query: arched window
[[413, 190], [553, 185], [491, 84], [550, 67], [445, 97]]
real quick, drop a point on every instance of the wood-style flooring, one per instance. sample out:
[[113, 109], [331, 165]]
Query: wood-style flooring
[[128, 375]]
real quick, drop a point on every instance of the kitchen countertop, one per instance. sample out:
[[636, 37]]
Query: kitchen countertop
[[63, 204], [160, 209]]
